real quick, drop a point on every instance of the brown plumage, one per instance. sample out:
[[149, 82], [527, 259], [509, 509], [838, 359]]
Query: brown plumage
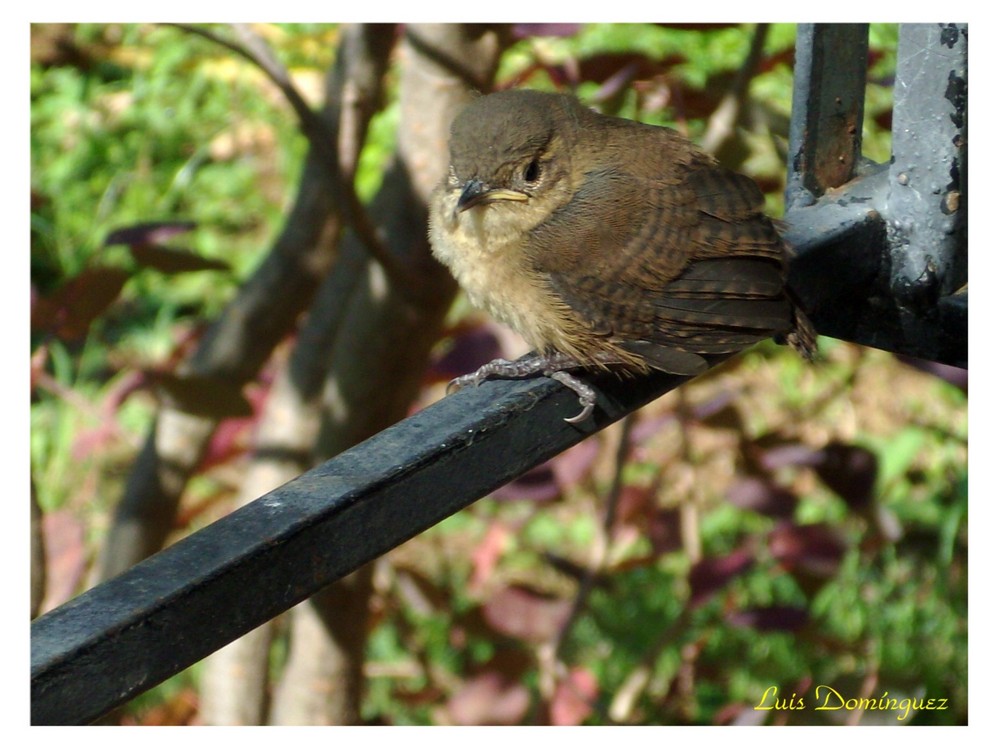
[[606, 242]]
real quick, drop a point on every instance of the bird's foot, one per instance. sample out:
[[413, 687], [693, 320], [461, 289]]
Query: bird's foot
[[551, 365], [498, 368]]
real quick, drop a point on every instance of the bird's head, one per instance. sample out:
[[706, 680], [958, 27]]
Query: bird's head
[[512, 151]]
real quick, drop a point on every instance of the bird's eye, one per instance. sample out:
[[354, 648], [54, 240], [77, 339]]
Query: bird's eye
[[533, 171]]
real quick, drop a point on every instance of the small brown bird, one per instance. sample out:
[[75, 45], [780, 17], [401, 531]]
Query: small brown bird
[[606, 243]]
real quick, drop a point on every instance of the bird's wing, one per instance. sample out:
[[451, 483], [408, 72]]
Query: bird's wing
[[669, 267]]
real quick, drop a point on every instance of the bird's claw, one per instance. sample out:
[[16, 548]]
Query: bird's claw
[[498, 367], [586, 394], [543, 365], [463, 381]]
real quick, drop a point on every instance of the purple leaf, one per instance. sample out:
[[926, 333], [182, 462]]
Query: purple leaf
[[69, 311], [538, 485], [812, 548], [718, 411], [527, 30], [850, 471], [649, 426], [762, 496], [148, 233], [173, 260], [712, 573], [572, 465], [776, 617], [957, 376], [471, 348], [787, 454]]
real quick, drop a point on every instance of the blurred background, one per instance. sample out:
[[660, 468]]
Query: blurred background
[[230, 282]]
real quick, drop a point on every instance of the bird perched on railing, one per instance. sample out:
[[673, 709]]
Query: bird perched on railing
[[606, 243]]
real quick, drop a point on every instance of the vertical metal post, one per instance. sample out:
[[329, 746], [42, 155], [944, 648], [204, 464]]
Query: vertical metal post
[[827, 108], [928, 175]]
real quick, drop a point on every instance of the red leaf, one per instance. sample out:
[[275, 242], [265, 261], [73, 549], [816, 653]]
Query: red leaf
[[637, 66], [232, 437], [487, 553], [739, 714], [636, 504], [665, 531], [65, 556], [574, 698], [522, 613], [550, 479], [489, 698], [39, 359]]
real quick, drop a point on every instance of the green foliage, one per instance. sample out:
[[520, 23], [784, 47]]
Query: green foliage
[[155, 133], [158, 125]]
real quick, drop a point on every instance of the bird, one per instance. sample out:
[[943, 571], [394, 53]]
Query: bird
[[606, 243]]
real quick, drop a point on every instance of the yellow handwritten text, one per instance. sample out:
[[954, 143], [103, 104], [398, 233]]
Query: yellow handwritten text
[[771, 701], [830, 699]]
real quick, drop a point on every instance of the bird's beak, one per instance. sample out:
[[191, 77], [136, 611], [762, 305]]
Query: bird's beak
[[477, 191]]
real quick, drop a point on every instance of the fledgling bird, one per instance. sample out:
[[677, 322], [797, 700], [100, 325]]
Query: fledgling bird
[[606, 243]]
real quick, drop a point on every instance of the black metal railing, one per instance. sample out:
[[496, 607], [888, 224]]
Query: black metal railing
[[881, 260], [882, 250]]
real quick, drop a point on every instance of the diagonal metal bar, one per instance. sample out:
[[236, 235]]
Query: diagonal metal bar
[[132, 632]]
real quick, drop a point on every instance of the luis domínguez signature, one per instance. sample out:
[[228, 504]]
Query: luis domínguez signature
[[826, 698]]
